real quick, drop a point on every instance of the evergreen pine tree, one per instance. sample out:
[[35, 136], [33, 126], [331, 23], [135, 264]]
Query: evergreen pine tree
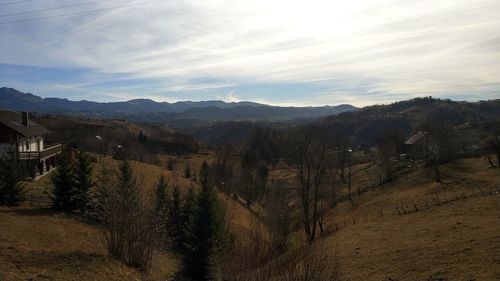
[[206, 235], [83, 181], [187, 216], [161, 196], [175, 220], [189, 205], [11, 173], [64, 186], [102, 194], [161, 210]]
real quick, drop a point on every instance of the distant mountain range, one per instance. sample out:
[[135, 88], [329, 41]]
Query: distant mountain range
[[179, 113]]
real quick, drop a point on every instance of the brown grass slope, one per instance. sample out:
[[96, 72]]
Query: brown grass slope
[[37, 244], [42, 244], [459, 240]]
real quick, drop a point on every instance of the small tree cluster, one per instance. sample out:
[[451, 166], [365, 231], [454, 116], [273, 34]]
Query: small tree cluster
[[173, 212], [252, 181], [72, 183], [175, 220], [441, 144], [388, 145], [11, 173], [221, 171], [205, 237]]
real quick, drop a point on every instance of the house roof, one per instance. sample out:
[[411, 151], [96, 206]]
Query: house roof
[[416, 138], [12, 120]]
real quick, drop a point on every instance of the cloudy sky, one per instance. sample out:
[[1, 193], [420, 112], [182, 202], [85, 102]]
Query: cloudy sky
[[284, 52]]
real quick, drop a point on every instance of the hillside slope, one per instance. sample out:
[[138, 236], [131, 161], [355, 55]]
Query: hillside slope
[[40, 244], [43, 244], [459, 240]]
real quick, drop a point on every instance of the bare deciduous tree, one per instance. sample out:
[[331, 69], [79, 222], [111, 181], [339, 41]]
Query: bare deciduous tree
[[279, 213], [311, 170], [342, 156]]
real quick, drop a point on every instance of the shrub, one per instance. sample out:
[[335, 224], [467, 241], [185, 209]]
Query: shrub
[[12, 191], [312, 263], [130, 228]]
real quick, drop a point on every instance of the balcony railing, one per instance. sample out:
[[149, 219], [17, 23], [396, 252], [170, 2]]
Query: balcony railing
[[47, 152]]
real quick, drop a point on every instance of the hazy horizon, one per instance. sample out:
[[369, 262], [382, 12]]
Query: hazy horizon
[[243, 101], [287, 53]]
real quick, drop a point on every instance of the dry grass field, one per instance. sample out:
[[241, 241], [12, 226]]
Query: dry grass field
[[459, 240], [41, 244]]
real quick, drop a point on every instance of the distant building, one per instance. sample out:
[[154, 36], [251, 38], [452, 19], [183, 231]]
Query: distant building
[[419, 145], [19, 133]]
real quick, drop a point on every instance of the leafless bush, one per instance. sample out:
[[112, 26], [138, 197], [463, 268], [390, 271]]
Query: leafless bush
[[307, 264], [280, 214], [249, 252], [128, 224]]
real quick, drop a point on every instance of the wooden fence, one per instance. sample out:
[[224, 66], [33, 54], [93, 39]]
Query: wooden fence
[[413, 206], [37, 200], [378, 213], [441, 199]]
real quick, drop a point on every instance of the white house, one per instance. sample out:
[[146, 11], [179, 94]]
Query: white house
[[24, 136]]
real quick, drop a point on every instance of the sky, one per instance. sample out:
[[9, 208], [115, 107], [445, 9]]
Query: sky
[[280, 52]]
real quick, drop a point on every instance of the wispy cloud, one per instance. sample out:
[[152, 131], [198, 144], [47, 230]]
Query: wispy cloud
[[357, 51]]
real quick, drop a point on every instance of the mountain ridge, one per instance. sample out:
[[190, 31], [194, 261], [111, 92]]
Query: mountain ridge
[[133, 110]]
